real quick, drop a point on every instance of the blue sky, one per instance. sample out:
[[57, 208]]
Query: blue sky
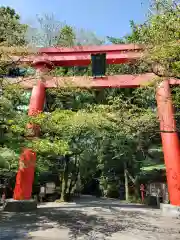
[[104, 17]]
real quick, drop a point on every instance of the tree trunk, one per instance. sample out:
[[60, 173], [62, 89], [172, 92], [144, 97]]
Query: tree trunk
[[73, 179], [65, 180], [73, 182], [136, 184], [137, 187], [77, 186], [126, 182]]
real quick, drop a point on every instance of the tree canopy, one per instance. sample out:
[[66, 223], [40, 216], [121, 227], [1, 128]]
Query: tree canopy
[[12, 32]]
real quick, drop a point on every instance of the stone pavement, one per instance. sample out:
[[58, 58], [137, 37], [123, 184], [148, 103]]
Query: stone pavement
[[89, 219]]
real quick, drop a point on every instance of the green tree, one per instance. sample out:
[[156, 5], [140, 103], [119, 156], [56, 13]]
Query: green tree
[[12, 126], [67, 133], [12, 119], [160, 34], [114, 40], [66, 37], [99, 136], [12, 32]]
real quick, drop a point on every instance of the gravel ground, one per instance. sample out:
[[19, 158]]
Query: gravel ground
[[89, 219]]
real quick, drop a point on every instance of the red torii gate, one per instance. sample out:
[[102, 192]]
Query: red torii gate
[[81, 56]]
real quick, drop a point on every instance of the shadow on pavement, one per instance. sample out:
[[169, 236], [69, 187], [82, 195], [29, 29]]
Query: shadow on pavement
[[78, 223], [17, 225]]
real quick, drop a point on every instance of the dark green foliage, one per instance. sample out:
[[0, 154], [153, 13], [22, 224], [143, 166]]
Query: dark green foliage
[[12, 32], [66, 37]]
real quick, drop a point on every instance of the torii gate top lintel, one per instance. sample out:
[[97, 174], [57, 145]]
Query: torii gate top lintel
[[81, 56], [92, 49]]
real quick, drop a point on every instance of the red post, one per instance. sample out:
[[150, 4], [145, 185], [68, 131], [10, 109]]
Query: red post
[[27, 161], [170, 141]]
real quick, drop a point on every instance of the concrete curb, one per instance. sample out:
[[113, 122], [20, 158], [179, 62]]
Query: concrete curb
[[11, 205], [170, 210]]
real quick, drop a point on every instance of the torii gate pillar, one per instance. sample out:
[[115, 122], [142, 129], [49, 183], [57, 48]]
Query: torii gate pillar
[[170, 141], [27, 161]]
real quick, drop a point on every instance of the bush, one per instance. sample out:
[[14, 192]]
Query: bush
[[112, 191]]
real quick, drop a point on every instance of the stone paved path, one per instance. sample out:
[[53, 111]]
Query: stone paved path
[[89, 219]]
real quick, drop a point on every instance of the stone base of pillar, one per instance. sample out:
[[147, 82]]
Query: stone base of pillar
[[11, 205], [170, 210]]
